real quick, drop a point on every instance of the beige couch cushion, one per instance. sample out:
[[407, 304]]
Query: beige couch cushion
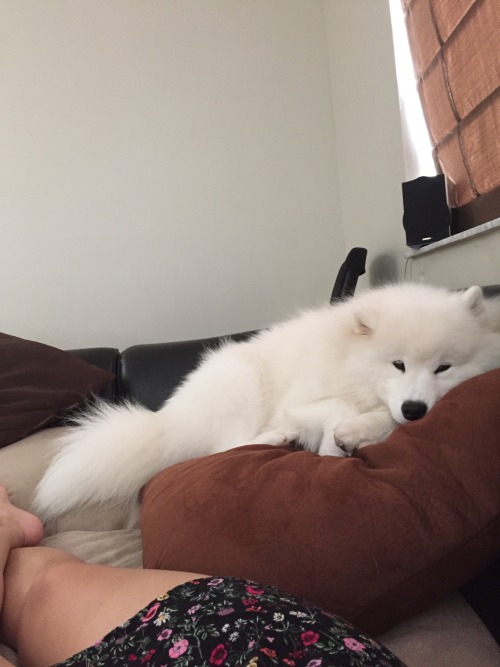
[[22, 465], [120, 548], [449, 634]]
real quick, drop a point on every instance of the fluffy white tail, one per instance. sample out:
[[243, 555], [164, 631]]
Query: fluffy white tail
[[112, 453]]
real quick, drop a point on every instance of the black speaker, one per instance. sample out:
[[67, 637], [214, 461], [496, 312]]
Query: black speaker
[[426, 214]]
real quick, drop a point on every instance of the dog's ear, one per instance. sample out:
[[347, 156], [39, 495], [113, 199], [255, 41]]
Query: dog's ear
[[364, 321], [473, 298]]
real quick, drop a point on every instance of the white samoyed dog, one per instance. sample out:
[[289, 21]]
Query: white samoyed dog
[[333, 379]]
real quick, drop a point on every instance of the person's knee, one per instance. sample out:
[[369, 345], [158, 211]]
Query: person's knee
[[25, 568], [45, 596], [50, 583]]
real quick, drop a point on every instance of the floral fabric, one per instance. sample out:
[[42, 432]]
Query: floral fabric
[[232, 623]]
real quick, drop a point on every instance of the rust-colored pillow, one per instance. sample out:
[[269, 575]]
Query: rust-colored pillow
[[38, 383], [374, 538]]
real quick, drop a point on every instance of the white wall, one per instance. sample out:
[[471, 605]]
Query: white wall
[[174, 169], [368, 131], [167, 169]]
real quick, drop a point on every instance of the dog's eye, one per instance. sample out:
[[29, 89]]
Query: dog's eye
[[442, 368], [399, 365]]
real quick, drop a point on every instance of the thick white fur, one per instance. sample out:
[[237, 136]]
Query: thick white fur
[[325, 377]]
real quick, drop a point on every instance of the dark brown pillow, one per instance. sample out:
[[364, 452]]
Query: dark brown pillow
[[374, 538], [39, 383]]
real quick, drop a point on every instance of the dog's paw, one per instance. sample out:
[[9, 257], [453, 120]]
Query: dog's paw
[[328, 446], [278, 438], [351, 435]]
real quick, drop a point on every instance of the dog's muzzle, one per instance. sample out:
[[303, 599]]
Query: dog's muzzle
[[413, 410]]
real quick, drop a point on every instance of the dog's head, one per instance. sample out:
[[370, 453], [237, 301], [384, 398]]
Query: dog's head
[[424, 341]]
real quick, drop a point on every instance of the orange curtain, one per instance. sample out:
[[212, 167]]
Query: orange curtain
[[455, 46]]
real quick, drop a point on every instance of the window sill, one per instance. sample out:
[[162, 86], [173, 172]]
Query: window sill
[[456, 238]]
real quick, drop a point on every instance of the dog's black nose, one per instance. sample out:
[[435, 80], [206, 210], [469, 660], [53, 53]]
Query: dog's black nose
[[413, 410]]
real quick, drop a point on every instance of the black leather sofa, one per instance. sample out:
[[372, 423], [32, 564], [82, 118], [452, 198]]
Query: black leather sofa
[[149, 373]]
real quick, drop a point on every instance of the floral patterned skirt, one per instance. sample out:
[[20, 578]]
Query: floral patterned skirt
[[233, 622]]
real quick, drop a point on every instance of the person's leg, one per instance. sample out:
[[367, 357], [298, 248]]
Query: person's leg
[[69, 604], [55, 606], [52, 604]]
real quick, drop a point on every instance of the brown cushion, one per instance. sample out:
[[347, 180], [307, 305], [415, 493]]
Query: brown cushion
[[374, 538], [38, 383]]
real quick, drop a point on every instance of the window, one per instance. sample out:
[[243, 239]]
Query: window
[[416, 142], [456, 57]]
